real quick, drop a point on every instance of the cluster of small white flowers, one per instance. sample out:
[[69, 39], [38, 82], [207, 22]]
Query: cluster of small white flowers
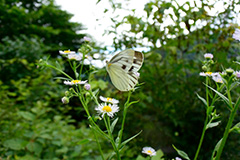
[[236, 35]]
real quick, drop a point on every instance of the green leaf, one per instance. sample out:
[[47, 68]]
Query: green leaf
[[84, 141], [216, 149], [133, 102], [27, 115], [113, 125], [225, 99], [139, 157], [28, 157], [58, 65], [181, 153], [203, 100], [213, 124], [15, 144], [34, 147], [158, 155], [128, 140]]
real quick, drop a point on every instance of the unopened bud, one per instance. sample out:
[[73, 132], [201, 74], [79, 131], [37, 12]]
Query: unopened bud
[[67, 93], [204, 68], [87, 86], [65, 100], [229, 71]]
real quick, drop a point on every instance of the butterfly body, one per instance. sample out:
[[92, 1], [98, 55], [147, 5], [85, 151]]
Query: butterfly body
[[123, 69]]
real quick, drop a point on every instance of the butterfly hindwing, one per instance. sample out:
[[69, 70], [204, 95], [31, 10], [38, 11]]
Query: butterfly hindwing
[[122, 69]]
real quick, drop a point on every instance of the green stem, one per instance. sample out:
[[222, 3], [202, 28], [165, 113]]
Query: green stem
[[107, 124], [229, 124], [202, 137], [205, 123], [124, 117], [99, 146]]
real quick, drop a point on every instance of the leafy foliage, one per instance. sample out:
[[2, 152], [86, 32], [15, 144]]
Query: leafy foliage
[[178, 34]]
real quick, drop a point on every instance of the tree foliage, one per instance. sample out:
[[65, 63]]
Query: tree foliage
[[177, 34]]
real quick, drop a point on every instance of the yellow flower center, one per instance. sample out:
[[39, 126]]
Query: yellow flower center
[[150, 152], [75, 81], [109, 99], [208, 73], [109, 64], [107, 109], [68, 51]]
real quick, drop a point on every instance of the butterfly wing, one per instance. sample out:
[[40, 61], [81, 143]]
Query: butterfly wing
[[122, 68], [123, 81]]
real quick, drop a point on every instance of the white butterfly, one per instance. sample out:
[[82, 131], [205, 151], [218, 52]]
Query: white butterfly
[[123, 69]]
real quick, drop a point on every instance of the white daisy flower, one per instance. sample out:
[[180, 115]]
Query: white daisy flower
[[76, 56], [205, 74], [74, 82], [217, 77], [109, 100], [177, 158], [237, 74], [236, 35], [208, 56], [107, 109], [66, 52], [149, 151]]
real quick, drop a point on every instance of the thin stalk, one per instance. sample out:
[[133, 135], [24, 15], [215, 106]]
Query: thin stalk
[[229, 124], [202, 137], [205, 123], [107, 124], [90, 118], [99, 146], [124, 117]]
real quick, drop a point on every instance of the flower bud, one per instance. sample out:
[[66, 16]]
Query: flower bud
[[204, 68], [87, 86], [229, 71], [65, 100], [237, 73], [67, 93]]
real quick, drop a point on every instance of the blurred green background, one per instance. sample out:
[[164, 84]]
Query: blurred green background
[[34, 124]]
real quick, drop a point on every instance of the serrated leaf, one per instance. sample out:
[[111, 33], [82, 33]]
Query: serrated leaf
[[15, 144], [34, 147], [113, 125], [181, 153], [213, 124]]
